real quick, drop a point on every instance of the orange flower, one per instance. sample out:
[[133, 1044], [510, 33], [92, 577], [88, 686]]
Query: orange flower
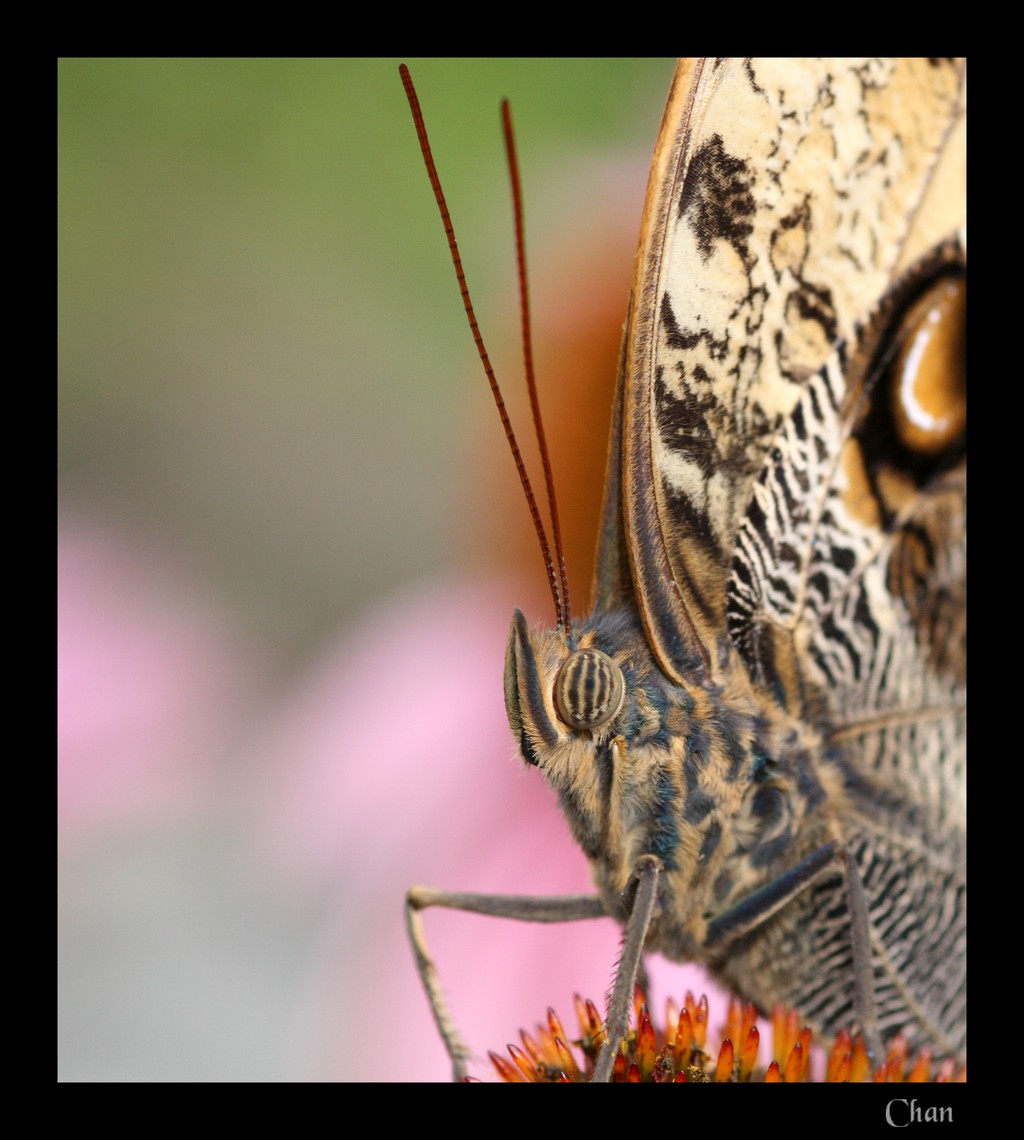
[[678, 1054]]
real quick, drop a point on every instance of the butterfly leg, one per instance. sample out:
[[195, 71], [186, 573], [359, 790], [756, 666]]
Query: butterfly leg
[[646, 877], [758, 907], [525, 908], [863, 958]]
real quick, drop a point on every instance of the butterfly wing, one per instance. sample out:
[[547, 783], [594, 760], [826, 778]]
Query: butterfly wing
[[786, 195], [758, 516]]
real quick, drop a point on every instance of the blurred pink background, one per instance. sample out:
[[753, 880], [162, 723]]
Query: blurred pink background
[[389, 763]]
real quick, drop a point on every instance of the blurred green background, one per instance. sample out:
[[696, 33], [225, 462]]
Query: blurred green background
[[266, 383], [262, 353]]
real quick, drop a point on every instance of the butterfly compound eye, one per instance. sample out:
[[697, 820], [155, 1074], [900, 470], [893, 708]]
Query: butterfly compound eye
[[589, 689]]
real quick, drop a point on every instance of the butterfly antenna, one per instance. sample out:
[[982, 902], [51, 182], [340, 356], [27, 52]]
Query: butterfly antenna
[[531, 381], [560, 599]]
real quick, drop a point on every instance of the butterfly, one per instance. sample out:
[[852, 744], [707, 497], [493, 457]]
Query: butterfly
[[758, 734]]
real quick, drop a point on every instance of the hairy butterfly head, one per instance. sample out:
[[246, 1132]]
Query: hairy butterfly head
[[574, 698], [643, 766]]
